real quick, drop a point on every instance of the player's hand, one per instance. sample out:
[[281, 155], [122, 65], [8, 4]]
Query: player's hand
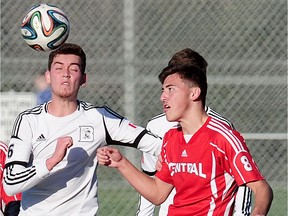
[[109, 156], [159, 163], [63, 143]]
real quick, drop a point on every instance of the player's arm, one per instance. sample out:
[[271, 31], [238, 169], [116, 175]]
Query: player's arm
[[145, 207], [19, 175], [155, 190], [120, 131], [248, 173], [263, 196], [63, 143], [21, 171], [245, 171]]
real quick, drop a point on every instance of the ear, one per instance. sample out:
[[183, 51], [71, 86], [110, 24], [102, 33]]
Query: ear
[[47, 76], [195, 93], [84, 79]]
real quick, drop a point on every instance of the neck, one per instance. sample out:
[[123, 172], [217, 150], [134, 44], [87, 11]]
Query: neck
[[194, 121], [62, 108]]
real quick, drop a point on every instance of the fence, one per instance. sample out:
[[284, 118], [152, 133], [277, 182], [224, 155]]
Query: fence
[[128, 42]]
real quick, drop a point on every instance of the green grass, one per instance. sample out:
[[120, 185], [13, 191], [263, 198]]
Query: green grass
[[118, 198], [117, 202], [279, 205], [123, 201]]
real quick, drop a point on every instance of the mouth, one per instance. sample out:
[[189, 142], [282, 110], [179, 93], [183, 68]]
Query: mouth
[[65, 83], [166, 108]]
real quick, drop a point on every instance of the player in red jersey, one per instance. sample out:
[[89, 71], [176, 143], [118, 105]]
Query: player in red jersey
[[203, 159], [159, 125], [9, 205]]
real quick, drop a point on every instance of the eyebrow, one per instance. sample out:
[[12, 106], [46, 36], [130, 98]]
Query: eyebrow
[[69, 65], [169, 85]]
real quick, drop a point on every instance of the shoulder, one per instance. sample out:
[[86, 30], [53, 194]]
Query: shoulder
[[216, 115], [34, 111], [158, 119], [173, 132], [86, 106], [218, 126], [223, 133], [160, 125], [161, 120], [102, 110], [30, 115]]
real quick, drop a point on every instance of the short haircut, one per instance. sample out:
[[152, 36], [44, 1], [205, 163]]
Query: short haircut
[[67, 49], [189, 57], [191, 75]]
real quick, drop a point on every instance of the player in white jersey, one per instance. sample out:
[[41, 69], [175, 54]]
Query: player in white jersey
[[159, 125], [52, 151]]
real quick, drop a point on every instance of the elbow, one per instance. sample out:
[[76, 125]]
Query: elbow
[[269, 191], [13, 183], [10, 191], [263, 194], [271, 194], [158, 200], [158, 203]]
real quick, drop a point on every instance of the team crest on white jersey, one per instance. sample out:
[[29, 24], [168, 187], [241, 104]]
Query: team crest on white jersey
[[86, 134]]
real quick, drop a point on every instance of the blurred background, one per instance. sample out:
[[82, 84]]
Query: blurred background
[[129, 42]]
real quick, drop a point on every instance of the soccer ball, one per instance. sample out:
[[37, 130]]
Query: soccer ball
[[45, 27]]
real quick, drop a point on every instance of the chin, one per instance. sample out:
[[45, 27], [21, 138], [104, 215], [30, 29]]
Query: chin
[[170, 118]]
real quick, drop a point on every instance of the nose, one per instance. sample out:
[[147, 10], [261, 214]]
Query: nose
[[66, 72], [163, 96]]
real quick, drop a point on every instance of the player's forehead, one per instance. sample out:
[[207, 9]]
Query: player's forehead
[[173, 80], [66, 59]]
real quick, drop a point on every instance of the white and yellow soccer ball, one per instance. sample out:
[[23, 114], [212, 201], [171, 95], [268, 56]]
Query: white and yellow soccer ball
[[45, 27]]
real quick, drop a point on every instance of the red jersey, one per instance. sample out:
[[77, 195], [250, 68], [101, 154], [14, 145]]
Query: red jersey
[[3, 196], [206, 171]]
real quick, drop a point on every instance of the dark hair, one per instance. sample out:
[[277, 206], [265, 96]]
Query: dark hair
[[191, 75], [189, 57], [66, 49]]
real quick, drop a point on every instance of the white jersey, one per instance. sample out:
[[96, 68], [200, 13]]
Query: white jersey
[[70, 188], [159, 125]]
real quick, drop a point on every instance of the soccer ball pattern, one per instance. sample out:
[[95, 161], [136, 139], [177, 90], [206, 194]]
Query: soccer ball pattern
[[45, 27]]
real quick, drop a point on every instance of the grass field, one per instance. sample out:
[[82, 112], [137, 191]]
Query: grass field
[[279, 205], [123, 202], [118, 198]]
